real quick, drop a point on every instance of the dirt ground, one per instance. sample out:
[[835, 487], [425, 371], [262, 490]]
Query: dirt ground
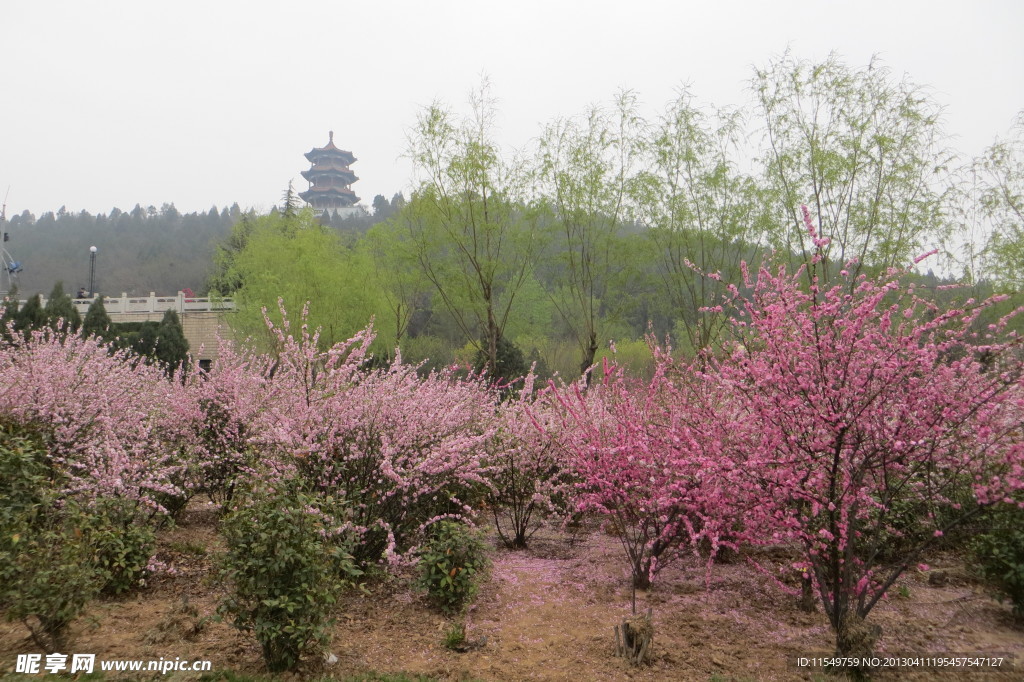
[[547, 614]]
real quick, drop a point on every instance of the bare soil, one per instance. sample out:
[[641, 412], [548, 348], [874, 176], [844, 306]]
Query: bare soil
[[547, 613]]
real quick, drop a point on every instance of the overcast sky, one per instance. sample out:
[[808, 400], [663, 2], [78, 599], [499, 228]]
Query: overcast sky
[[117, 102]]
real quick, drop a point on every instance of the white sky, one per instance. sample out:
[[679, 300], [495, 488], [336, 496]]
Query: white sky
[[116, 102]]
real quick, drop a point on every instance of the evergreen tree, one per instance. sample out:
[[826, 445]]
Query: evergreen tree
[[97, 322], [291, 203], [381, 207], [171, 344], [31, 316], [510, 367], [59, 307], [397, 202], [225, 279], [139, 338]]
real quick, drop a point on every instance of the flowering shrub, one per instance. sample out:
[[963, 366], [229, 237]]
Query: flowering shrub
[[111, 428], [230, 430], [643, 460], [866, 400], [105, 460], [528, 478], [394, 451]]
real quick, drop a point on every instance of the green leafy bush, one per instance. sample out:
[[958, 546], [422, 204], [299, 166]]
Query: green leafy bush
[[452, 562], [24, 479], [47, 575], [1000, 553], [121, 547], [283, 574]]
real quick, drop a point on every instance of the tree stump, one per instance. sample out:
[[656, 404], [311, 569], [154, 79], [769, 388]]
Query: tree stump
[[633, 638]]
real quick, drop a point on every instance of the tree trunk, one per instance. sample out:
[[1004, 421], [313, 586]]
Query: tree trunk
[[808, 603], [854, 637], [634, 637], [588, 356]]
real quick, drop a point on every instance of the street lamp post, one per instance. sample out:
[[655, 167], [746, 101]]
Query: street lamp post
[[92, 271]]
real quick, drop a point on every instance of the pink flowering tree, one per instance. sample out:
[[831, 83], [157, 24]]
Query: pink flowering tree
[[529, 480], [111, 426], [642, 460], [875, 427], [389, 451], [233, 432], [110, 453]]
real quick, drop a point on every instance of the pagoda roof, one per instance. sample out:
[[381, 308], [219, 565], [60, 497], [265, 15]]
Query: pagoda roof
[[329, 151], [345, 175], [331, 164], [328, 192]]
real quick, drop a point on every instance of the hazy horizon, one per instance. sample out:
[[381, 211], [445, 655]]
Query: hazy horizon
[[201, 104]]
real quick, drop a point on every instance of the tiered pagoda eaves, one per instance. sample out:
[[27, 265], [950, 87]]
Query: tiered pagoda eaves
[[329, 178]]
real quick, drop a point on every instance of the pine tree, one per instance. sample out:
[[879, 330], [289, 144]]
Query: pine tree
[[31, 316], [97, 322], [59, 307], [171, 344], [291, 204]]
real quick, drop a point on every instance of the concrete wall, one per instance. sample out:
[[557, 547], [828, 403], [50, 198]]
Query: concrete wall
[[201, 329]]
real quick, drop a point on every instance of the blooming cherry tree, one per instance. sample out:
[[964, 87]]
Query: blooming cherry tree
[[529, 480], [111, 425], [396, 451], [869, 405], [642, 460]]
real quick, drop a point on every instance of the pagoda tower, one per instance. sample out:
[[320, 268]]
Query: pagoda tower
[[329, 178]]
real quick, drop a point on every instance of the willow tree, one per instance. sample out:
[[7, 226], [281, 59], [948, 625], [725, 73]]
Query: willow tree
[[467, 221], [588, 170], [863, 151], [703, 215], [302, 263], [1000, 173], [403, 289]]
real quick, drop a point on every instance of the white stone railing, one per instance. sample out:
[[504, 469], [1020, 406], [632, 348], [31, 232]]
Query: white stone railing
[[181, 303]]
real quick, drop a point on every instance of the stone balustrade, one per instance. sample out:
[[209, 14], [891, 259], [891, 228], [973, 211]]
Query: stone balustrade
[[180, 303]]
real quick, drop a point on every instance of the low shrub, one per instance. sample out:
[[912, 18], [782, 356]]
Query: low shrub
[[452, 562], [283, 575], [121, 546], [455, 637], [1000, 554], [47, 575]]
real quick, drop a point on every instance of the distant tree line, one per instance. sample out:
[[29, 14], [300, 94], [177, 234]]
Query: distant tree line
[[141, 250]]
